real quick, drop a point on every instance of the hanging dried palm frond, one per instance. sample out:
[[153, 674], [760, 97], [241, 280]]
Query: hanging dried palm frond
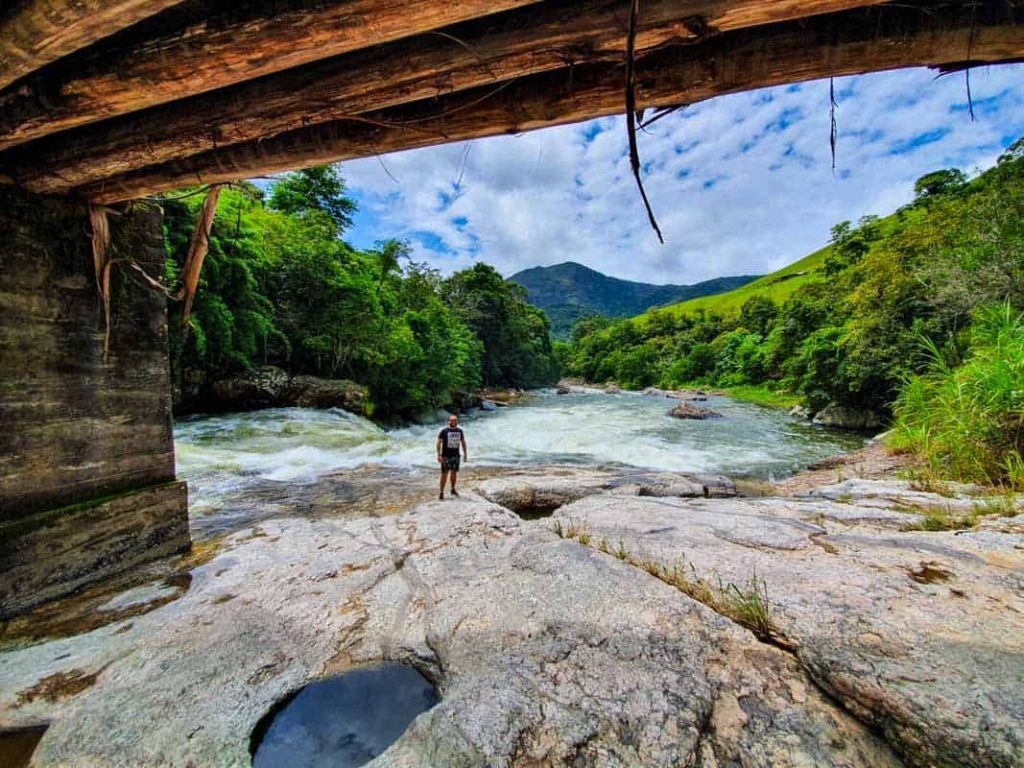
[[197, 249], [101, 265], [100, 241]]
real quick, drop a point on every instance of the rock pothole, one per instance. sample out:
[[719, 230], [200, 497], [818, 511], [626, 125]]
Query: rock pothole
[[537, 495], [17, 746], [344, 721]]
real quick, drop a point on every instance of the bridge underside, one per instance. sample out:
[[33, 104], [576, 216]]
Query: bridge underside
[[107, 101], [110, 100]]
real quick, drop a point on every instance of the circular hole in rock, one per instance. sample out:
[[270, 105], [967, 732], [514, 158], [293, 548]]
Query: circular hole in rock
[[342, 722]]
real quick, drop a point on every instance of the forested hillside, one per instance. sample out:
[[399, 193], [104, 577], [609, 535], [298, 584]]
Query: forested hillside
[[934, 291], [280, 286], [569, 292]]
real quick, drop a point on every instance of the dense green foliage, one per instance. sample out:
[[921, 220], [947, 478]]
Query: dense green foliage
[[968, 422], [851, 329], [515, 334], [570, 292], [280, 286]]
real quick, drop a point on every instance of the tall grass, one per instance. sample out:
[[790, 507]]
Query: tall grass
[[967, 423]]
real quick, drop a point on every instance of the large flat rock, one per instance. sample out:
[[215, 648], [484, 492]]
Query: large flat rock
[[545, 651], [536, 492], [920, 634]]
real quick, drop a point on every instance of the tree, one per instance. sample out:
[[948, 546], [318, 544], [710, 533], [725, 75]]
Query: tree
[[758, 313], [939, 183], [515, 335], [850, 244], [313, 191]]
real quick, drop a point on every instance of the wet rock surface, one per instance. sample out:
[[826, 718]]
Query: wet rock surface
[[685, 410], [544, 651], [920, 634], [892, 646]]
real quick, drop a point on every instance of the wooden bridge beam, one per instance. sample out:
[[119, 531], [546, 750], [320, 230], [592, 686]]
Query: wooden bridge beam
[[867, 40], [527, 41], [250, 40], [35, 33]]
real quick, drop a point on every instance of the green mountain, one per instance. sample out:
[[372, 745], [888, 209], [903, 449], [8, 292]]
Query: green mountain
[[570, 291]]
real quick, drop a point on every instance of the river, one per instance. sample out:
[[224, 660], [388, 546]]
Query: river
[[247, 466]]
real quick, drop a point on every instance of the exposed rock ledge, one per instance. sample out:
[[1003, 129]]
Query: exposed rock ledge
[[533, 492], [549, 652], [271, 387]]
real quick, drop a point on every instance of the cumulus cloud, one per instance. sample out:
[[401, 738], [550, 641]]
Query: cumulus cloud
[[742, 184]]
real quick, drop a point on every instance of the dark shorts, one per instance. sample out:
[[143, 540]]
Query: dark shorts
[[450, 463]]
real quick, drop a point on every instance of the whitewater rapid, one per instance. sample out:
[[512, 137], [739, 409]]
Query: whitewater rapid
[[223, 454]]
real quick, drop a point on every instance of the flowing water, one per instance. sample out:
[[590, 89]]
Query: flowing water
[[293, 460]]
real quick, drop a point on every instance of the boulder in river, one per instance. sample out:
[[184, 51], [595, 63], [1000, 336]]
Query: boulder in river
[[467, 400], [800, 412], [844, 417], [272, 387], [611, 388], [685, 410], [264, 387], [574, 386], [314, 392], [562, 391]]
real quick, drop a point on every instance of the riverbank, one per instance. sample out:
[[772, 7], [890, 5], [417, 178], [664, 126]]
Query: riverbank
[[872, 462], [828, 620], [770, 398], [826, 627]]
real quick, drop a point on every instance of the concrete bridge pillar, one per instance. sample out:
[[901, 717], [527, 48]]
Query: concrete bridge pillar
[[87, 484]]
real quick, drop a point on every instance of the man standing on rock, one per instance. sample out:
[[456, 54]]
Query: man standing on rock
[[448, 441]]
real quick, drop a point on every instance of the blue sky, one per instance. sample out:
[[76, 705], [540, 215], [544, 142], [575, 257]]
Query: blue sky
[[740, 185]]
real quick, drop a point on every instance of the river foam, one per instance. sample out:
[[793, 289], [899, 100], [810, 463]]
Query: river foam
[[223, 454]]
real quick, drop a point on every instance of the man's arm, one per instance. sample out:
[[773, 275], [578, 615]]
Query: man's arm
[[439, 443], [465, 453]]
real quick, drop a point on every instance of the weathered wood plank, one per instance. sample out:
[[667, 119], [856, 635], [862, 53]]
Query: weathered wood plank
[[221, 50], [526, 41], [37, 32], [855, 42]]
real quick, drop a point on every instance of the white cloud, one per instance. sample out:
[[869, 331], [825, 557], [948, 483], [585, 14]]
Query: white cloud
[[741, 184]]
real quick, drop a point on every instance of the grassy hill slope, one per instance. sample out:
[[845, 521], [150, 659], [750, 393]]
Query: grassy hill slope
[[778, 286], [570, 291]]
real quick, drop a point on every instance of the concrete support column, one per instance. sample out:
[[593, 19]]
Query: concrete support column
[[87, 485]]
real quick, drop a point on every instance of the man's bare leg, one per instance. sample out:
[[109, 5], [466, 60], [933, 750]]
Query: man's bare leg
[[455, 477], [444, 478]]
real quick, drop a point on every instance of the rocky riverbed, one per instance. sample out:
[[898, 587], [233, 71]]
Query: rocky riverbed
[[651, 620]]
